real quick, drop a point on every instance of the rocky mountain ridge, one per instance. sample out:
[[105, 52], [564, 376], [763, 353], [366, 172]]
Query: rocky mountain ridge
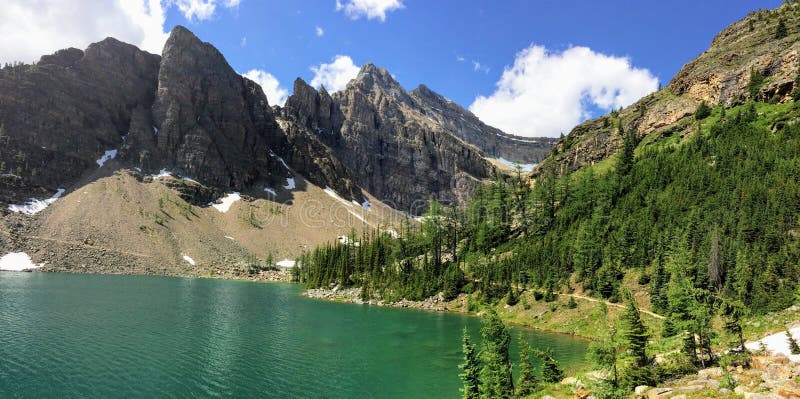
[[465, 125], [189, 113], [378, 131], [719, 76]]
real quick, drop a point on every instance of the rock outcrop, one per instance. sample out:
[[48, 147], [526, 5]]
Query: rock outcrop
[[719, 76], [188, 112], [465, 125], [387, 143], [771, 377], [60, 115], [209, 122]]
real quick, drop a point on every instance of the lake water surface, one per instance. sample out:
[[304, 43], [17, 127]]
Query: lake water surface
[[65, 335]]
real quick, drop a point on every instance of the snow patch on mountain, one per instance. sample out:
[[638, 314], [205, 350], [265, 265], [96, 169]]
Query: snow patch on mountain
[[108, 155], [224, 204], [35, 206], [17, 262]]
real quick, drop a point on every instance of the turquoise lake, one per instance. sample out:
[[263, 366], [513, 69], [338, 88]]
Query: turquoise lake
[[93, 336]]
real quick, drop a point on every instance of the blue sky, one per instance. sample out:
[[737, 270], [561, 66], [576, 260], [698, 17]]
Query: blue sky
[[616, 49], [420, 43]]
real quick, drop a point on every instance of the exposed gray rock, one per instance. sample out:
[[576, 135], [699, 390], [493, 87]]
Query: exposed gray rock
[[387, 145], [466, 126], [60, 115], [213, 124], [189, 112]]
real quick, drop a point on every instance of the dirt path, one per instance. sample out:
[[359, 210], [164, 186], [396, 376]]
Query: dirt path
[[616, 305]]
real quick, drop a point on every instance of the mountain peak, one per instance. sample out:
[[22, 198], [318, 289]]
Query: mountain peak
[[181, 38], [371, 76], [181, 31], [370, 68], [423, 91]]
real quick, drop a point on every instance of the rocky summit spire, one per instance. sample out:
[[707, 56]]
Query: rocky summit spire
[[372, 78], [212, 126]]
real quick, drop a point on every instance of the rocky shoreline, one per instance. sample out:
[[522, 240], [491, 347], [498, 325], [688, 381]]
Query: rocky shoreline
[[770, 377], [276, 276], [435, 303]]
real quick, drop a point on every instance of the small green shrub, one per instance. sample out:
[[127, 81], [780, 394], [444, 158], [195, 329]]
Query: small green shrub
[[571, 304], [703, 111], [754, 86], [675, 365]]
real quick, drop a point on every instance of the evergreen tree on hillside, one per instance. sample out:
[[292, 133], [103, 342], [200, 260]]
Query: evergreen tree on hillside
[[754, 86], [716, 267], [793, 347], [780, 30], [605, 354], [527, 380], [733, 311], [703, 111], [495, 377], [635, 333], [470, 369], [629, 142], [551, 370], [796, 89], [659, 281]]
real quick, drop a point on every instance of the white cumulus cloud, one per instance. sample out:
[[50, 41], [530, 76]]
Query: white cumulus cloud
[[319, 31], [30, 29], [546, 93], [276, 95], [200, 10], [371, 9], [336, 74]]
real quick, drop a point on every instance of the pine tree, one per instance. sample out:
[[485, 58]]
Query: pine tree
[[604, 354], [470, 369], [635, 334], [793, 347], [551, 370], [571, 304], [495, 379], [701, 317], [703, 111], [780, 30], [527, 380], [733, 311], [754, 86], [625, 162], [668, 328], [795, 90], [716, 268]]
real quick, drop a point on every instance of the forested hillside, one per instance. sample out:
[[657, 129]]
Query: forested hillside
[[713, 215]]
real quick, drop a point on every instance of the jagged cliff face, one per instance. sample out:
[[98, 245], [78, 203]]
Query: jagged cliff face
[[208, 122], [60, 115], [101, 123], [386, 141], [187, 111], [720, 75], [464, 124]]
